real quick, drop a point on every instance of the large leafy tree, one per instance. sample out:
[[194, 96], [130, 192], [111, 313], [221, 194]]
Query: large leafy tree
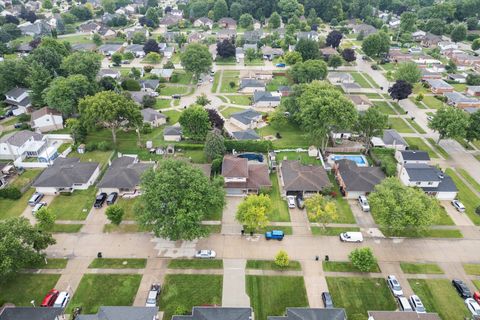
[[450, 122], [50, 54], [151, 46], [13, 73], [196, 59], [348, 55], [459, 33], [38, 80], [376, 45], [473, 130], [253, 211], [275, 20], [176, 198], [214, 145], [63, 94], [408, 21], [110, 110], [321, 209], [335, 61], [399, 208], [220, 10], [409, 72], [371, 123], [85, 63], [245, 21], [304, 72], [290, 8], [292, 57], [400, 90], [308, 49], [21, 245], [334, 38], [363, 259], [195, 123], [226, 48]]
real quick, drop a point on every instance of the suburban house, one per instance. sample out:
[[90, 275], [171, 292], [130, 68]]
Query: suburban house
[[195, 37], [363, 28], [172, 133], [327, 52], [432, 180], [153, 117], [89, 27], [121, 313], [439, 86], [459, 78], [460, 100], [168, 52], [361, 102], [391, 139], [266, 99], [253, 36], [162, 73], [447, 45], [103, 73], [203, 22], [340, 77], [226, 34], [412, 156], [246, 119], [137, 96], [248, 85], [124, 175], [356, 181], [430, 40], [270, 53], [217, 313], [109, 49], [149, 85], [67, 175], [170, 20], [299, 179], [312, 314], [18, 99], [31, 313], [248, 134], [136, 49], [418, 35], [427, 74], [84, 47], [46, 119], [401, 315], [473, 91], [227, 23], [243, 176], [38, 28], [26, 144]]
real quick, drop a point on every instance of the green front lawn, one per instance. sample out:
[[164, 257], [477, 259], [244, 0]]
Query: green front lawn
[[359, 295], [74, 206], [421, 268], [360, 80], [240, 99], [270, 265], [14, 208], [172, 116], [113, 263], [97, 290], [400, 125], [162, 104], [195, 264], [432, 103], [216, 79], [182, 77], [128, 207], [66, 228], [271, 295], [25, 287], [228, 111], [466, 196], [171, 90], [438, 295], [52, 263], [332, 231], [291, 136], [384, 107], [469, 179], [279, 210], [229, 76], [472, 269], [344, 266], [184, 291], [25, 178], [416, 143]]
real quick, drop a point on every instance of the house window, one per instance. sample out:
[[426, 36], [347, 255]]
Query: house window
[[418, 183], [430, 183]]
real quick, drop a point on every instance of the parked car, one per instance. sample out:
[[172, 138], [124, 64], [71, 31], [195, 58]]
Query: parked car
[[429, 118], [35, 198], [417, 304], [50, 298], [458, 205], [280, 65], [300, 202], [473, 306], [274, 234], [362, 200], [394, 286], [205, 254], [62, 300], [291, 202], [403, 304], [18, 125], [462, 288], [153, 295], [38, 206], [100, 199], [351, 237], [112, 197], [327, 300], [176, 96]]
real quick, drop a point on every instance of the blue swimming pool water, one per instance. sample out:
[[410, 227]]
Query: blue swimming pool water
[[359, 159], [252, 156]]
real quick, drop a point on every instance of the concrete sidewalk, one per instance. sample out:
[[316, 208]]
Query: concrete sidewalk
[[234, 290]]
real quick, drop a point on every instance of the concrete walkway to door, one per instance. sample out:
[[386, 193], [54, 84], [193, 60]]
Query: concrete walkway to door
[[234, 292]]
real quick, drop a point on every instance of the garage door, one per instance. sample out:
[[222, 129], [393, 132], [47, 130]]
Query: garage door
[[234, 192]]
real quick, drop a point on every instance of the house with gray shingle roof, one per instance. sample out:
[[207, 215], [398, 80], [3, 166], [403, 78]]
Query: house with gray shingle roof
[[439, 86], [460, 100], [38, 28], [248, 134], [102, 73], [246, 119], [248, 85], [121, 313], [109, 48], [312, 314], [217, 313], [67, 175], [296, 178], [153, 117], [266, 99], [124, 175], [172, 133], [23, 144], [412, 156], [30, 313], [356, 181], [149, 85], [391, 139], [18, 99], [136, 49], [162, 73]]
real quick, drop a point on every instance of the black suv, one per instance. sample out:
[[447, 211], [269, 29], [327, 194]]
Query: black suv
[[100, 199], [462, 289]]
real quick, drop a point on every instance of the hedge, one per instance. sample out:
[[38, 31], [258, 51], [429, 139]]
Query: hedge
[[385, 159], [10, 193], [250, 146]]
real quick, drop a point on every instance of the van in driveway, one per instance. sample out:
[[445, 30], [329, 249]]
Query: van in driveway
[[35, 198], [351, 236]]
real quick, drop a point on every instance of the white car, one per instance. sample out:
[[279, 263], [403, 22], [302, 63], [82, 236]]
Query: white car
[[351, 236], [473, 306], [458, 205], [205, 254], [363, 202], [291, 202], [153, 295], [62, 300], [394, 286], [38, 206], [417, 304]]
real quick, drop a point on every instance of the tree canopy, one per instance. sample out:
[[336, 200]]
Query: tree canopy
[[449, 122], [308, 49], [196, 59], [321, 209], [376, 45], [84, 63], [400, 90], [409, 72], [214, 145], [304, 72], [253, 211], [195, 123]]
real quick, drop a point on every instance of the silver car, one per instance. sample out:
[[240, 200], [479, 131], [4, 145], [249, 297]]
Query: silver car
[[458, 205], [205, 254], [417, 304], [394, 286]]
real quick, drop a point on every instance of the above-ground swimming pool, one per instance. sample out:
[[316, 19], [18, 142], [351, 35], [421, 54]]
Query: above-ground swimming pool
[[359, 159]]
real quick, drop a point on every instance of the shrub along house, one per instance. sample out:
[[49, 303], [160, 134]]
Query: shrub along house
[[355, 181], [304, 180]]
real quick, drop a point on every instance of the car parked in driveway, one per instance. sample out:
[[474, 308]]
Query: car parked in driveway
[[351, 237], [38, 206], [62, 300], [363, 202], [473, 306], [153, 295], [417, 304], [327, 300], [300, 202], [35, 198], [404, 304], [394, 286], [100, 199], [462, 288], [112, 197], [205, 254], [458, 205], [291, 202], [49, 299]]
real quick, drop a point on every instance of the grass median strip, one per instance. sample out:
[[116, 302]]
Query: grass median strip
[[400, 125], [114, 263], [430, 233], [420, 268], [270, 265], [438, 149], [195, 264], [52, 263], [466, 196], [416, 143], [469, 179], [416, 126], [472, 269], [66, 228], [344, 266], [331, 231]]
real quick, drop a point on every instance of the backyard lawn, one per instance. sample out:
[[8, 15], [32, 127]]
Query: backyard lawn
[[95, 156], [400, 125], [472, 269], [114, 263], [171, 90], [184, 291], [25, 178], [271, 295], [14, 208], [291, 136], [303, 157], [276, 82], [240, 99], [182, 77], [421, 268], [162, 104], [25, 287], [195, 264], [96, 290], [228, 111], [344, 266], [466, 196], [438, 295], [279, 210], [416, 143], [74, 206], [270, 265], [358, 295]]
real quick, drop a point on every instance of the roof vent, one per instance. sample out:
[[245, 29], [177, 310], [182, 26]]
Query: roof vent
[[441, 175]]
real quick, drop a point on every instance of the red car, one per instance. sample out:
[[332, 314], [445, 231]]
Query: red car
[[476, 296], [50, 298]]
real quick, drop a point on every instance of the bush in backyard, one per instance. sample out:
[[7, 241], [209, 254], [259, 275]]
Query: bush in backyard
[[115, 214], [45, 219], [10, 193], [104, 146], [217, 165], [146, 128], [231, 84], [24, 117], [363, 259], [148, 69], [419, 97], [91, 146], [181, 310], [281, 259], [130, 85]]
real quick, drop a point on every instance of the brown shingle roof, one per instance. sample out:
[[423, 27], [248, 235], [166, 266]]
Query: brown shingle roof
[[298, 177], [234, 167], [43, 111], [258, 176]]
